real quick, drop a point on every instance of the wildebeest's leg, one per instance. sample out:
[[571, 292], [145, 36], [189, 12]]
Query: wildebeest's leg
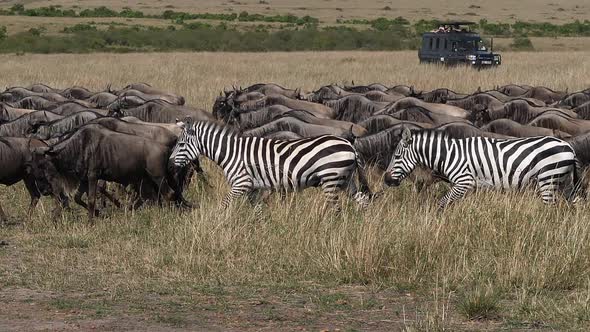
[[92, 182], [82, 188], [34, 193], [3, 217], [104, 191], [458, 191]]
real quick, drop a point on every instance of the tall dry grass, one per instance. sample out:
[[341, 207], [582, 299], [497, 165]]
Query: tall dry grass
[[535, 258]]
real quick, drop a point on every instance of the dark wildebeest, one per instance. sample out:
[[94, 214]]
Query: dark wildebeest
[[18, 93], [512, 128], [272, 89], [514, 90], [172, 99], [381, 96], [405, 90], [518, 110], [15, 157], [64, 125], [298, 127], [355, 108], [557, 121], [102, 99], [40, 87], [423, 115], [583, 111], [9, 113], [440, 95], [171, 127], [72, 107], [307, 117], [149, 90], [25, 124], [163, 112], [95, 153], [544, 94], [77, 92], [365, 88], [472, 102], [319, 110], [381, 122], [252, 119], [34, 103], [574, 100], [328, 92], [442, 109]]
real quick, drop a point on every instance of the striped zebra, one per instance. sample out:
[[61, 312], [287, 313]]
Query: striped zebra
[[252, 163], [480, 162]]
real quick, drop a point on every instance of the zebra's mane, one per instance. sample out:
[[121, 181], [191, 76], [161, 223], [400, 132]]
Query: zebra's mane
[[217, 126]]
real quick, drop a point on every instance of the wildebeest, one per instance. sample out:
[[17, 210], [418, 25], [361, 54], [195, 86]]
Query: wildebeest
[[25, 124], [355, 108], [34, 103], [152, 93], [299, 127], [9, 113], [15, 157], [319, 110], [95, 153], [64, 125], [272, 89], [381, 122], [442, 109], [163, 112], [512, 128], [18, 93]]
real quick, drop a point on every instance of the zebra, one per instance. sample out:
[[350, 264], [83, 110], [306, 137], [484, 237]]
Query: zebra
[[477, 162], [251, 164]]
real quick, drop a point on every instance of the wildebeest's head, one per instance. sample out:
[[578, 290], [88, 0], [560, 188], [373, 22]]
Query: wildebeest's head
[[39, 165], [222, 106], [403, 161]]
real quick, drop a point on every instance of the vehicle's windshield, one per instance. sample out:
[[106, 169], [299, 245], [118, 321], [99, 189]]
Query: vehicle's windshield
[[471, 45]]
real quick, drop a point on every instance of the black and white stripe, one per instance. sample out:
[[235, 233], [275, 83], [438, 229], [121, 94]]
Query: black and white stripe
[[254, 163], [478, 162]]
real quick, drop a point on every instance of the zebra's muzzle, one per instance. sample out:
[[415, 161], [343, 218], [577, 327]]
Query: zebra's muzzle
[[390, 181]]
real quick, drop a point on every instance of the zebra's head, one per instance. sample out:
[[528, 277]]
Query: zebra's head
[[187, 146], [402, 163]]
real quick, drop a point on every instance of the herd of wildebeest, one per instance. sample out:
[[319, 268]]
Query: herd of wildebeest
[[71, 142]]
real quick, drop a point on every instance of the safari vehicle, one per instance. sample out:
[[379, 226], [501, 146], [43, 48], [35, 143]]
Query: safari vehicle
[[453, 43]]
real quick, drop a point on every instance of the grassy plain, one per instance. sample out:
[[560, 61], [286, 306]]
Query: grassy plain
[[330, 10], [493, 261]]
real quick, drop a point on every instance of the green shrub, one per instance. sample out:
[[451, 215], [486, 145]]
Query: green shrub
[[522, 43], [2, 32]]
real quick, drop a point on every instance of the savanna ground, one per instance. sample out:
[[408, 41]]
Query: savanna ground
[[493, 261]]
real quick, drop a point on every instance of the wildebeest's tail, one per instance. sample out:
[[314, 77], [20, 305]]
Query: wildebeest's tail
[[579, 187]]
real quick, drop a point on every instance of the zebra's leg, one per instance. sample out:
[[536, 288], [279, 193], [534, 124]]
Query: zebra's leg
[[458, 191], [238, 189], [331, 188], [548, 188], [255, 198], [361, 198]]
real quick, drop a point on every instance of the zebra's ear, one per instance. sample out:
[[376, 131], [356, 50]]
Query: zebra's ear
[[406, 135]]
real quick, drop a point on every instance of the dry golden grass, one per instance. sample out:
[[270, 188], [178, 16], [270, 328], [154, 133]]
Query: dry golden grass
[[330, 10], [504, 257]]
